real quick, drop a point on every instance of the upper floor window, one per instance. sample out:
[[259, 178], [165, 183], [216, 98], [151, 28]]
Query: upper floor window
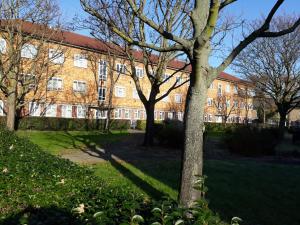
[[139, 72], [165, 77], [179, 80], [51, 110], [28, 51], [219, 89], [178, 98], [80, 60], [79, 86], [56, 56], [165, 99], [120, 91], [227, 88], [235, 104], [135, 94], [102, 70], [2, 45], [227, 103], [235, 89], [209, 101], [102, 94], [121, 68], [54, 84], [211, 86], [29, 81], [81, 111]]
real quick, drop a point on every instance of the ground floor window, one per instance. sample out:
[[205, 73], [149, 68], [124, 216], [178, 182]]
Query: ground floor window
[[66, 111], [81, 111], [100, 114], [51, 110], [34, 109], [118, 113]]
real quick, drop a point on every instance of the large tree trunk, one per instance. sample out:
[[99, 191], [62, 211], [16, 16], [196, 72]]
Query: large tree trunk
[[11, 111], [149, 134], [192, 163], [282, 120]]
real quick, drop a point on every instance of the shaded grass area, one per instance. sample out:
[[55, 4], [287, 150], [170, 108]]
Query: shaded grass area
[[259, 193], [59, 142]]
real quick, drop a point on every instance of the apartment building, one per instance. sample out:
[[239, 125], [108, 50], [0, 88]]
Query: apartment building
[[81, 84]]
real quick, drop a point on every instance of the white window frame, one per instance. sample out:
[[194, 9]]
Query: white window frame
[[166, 99], [102, 94], [79, 86], [170, 115], [102, 70], [219, 90], [227, 89], [100, 114], [28, 51], [80, 111], [66, 111], [235, 103], [209, 118], [126, 114], [121, 68], [136, 114], [179, 80], [51, 110], [210, 101], [80, 61], [161, 115], [51, 86], [2, 45], [178, 98], [34, 109], [235, 89], [135, 94], [165, 77], [180, 116], [211, 86], [118, 113], [139, 72], [1, 108], [56, 56], [121, 94]]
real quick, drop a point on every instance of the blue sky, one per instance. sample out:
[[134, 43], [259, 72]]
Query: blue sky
[[248, 9]]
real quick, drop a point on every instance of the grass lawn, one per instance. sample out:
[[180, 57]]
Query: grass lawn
[[259, 193], [58, 142]]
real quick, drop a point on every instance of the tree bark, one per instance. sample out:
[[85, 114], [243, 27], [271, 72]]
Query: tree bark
[[149, 134], [192, 162], [11, 111], [282, 120]]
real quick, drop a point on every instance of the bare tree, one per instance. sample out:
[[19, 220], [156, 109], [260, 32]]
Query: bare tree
[[201, 17], [273, 65], [24, 57]]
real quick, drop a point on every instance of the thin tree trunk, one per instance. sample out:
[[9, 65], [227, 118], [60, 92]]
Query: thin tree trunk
[[149, 134], [192, 162], [282, 124]]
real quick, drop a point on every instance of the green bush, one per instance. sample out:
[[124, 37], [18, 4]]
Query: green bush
[[221, 127], [51, 123], [141, 124], [39, 188], [252, 141]]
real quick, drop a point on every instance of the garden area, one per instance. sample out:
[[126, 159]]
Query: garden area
[[40, 187]]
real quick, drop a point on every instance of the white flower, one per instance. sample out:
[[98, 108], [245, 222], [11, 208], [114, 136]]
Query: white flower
[[79, 209], [62, 181], [5, 170], [11, 147]]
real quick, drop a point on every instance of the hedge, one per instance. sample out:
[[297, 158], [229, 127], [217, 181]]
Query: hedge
[[51, 123]]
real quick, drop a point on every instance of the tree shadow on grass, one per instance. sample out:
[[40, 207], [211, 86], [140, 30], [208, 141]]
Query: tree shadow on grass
[[51, 215]]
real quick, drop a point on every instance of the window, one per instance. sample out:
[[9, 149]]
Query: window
[[121, 68], [66, 111], [142, 114], [135, 94], [56, 56], [165, 99], [100, 114], [178, 98], [28, 51], [126, 114], [235, 89], [251, 93], [209, 101], [209, 118], [120, 91], [54, 84], [211, 86], [228, 88], [80, 61], [102, 94], [180, 116], [2, 45], [139, 72], [228, 103], [136, 114], [81, 111], [102, 70], [235, 104], [161, 115], [179, 80], [1, 108], [34, 109], [51, 110], [170, 115], [219, 89], [29, 81], [118, 113], [79, 86], [165, 77]]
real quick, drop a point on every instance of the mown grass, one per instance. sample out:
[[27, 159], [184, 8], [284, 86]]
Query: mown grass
[[59, 142]]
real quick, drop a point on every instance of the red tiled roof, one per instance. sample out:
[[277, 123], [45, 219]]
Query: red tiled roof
[[78, 40]]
